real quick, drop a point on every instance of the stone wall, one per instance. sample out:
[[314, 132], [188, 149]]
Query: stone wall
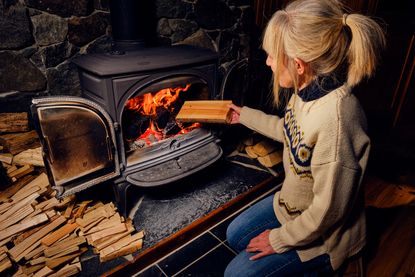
[[38, 39]]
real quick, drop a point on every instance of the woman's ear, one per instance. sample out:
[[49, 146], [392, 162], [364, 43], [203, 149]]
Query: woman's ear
[[300, 66]]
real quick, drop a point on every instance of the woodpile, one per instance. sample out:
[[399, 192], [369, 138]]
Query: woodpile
[[41, 235], [268, 152]]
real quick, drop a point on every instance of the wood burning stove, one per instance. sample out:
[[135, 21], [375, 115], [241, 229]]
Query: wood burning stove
[[123, 128]]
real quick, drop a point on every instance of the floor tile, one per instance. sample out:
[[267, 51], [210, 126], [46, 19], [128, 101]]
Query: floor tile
[[183, 257], [212, 265], [220, 230], [153, 271]]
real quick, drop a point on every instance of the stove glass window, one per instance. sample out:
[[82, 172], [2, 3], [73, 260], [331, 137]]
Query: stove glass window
[[149, 116]]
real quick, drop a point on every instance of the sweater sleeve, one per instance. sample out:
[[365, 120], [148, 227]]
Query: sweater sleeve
[[268, 125], [334, 190]]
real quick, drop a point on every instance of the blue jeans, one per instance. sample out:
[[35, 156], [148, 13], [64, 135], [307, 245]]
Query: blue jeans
[[251, 223]]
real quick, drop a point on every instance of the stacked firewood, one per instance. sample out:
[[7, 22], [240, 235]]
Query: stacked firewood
[[41, 235], [268, 152]]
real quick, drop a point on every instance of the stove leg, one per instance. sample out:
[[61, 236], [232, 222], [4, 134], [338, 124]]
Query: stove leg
[[120, 191]]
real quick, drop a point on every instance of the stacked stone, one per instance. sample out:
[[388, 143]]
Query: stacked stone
[[38, 39]]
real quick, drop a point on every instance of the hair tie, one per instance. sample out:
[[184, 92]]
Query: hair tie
[[345, 15]]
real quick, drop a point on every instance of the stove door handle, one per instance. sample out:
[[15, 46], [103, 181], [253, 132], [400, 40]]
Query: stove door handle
[[109, 148], [49, 150]]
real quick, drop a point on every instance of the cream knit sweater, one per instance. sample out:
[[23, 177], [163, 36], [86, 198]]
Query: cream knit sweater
[[326, 148]]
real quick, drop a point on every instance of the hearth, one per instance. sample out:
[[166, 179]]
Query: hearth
[[123, 128]]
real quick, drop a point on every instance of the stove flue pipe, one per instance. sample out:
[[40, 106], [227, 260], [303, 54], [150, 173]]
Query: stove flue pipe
[[133, 24]]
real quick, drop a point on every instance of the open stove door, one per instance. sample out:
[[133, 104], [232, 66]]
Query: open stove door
[[78, 141]]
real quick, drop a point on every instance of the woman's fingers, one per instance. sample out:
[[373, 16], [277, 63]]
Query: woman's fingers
[[267, 251], [235, 108]]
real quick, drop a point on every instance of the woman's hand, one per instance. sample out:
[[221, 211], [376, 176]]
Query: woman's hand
[[260, 244], [235, 113]]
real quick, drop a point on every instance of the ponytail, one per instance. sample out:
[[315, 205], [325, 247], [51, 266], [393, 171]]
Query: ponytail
[[367, 39]]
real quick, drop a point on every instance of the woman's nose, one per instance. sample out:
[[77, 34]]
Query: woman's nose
[[268, 61]]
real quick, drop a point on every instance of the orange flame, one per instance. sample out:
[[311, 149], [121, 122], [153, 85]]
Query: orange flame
[[147, 105]]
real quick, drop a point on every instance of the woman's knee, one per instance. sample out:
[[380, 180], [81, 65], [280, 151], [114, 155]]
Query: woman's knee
[[233, 235]]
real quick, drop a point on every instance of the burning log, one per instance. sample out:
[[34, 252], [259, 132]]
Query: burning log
[[162, 117], [134, 124]]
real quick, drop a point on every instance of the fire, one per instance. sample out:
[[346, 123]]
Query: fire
[[149, 104]]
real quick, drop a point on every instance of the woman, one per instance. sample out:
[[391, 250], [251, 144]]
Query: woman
[[317, 219]]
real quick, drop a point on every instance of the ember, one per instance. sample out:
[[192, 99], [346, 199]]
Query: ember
[[150, 118]]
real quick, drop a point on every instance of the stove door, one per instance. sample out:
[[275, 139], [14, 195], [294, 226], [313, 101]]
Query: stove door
[[78, 141]]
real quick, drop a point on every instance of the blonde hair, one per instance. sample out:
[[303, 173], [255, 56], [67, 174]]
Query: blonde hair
[[319, 33]]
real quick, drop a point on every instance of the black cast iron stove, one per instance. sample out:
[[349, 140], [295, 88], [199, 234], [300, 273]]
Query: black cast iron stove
[[124, 127]]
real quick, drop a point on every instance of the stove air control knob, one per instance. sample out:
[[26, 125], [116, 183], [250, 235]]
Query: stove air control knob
[[174, 144]]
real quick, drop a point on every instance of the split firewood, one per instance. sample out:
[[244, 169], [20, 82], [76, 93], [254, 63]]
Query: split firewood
[[5, 241], [5, 206], [56, 235], [121, 243], [19, 273], [11, 169], [20, 172], [45, 205], [45, 271], [6, 158], [10, 191], [35, 253], [67, 270], [65, 244], [68, 211], [107, 232], [41, 181], [18, 142], [30, 269], [106, 211], [5, 263], [40, 260], [30, 219], [14, 122], [54, 263], [25, 194], [133, 247], [30, 243], [91, 225], [265, 147], [21, 237], [250, 151], [63, 203], [206, 111], [271, 159], [104, 224], [94, 207], [62, 252], [16, 207], [81, 210], [105, 242], [30, 157], [19, 215]]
